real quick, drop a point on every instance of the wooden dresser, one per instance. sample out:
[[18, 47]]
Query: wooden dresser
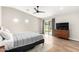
[[61, 33]]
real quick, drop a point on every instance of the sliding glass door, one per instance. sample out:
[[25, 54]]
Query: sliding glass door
[[49, 26]]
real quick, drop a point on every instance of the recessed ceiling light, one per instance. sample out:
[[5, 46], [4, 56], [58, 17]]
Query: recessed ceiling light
[[61, 8], [16, 20], [27, 21]]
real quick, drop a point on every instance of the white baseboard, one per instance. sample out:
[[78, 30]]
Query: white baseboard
[[74, 39]]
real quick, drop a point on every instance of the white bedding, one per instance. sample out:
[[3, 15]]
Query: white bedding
[[21, 39], [7, 38]]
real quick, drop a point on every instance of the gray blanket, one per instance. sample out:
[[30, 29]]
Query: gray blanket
[[25, 38]]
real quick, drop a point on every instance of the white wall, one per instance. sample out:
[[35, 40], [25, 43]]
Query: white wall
[[0, 15], [8, 14], [73, 20]]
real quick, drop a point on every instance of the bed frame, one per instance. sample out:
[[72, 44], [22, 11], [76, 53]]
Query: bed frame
[[26, 47]]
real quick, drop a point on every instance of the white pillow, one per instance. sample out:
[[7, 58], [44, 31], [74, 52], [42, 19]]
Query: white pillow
[[6, 34], [1, 38]]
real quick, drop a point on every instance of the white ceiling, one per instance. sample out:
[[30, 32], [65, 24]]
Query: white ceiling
[[49, 10]]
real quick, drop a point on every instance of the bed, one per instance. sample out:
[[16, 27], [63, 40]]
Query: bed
[[23, 41]]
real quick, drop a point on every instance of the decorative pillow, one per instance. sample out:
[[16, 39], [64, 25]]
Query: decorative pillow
[[1, 38], [6, 34]]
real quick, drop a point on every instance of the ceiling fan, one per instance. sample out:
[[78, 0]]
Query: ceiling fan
[[37, 10]]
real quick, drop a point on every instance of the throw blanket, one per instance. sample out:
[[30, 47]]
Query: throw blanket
[[25, 38]]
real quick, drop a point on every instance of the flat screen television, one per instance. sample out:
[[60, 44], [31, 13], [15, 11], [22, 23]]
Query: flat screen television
[[62, 26]]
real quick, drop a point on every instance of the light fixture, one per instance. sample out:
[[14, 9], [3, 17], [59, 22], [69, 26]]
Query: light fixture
[[16, 20], [26, 21]]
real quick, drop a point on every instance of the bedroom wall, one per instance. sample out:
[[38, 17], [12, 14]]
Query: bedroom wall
[[9, 14], [73, 19], [0, 15]]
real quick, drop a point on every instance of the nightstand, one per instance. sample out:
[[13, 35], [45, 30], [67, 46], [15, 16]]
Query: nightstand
[[2, 48]]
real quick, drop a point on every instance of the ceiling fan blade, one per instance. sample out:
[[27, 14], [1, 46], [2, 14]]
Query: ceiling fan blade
[[41, 12], [35, 9]]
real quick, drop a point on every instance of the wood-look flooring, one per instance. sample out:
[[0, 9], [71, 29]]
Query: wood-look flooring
[[61, 45], [53, 44]]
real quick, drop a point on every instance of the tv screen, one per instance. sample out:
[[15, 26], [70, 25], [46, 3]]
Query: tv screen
[[62, 26]]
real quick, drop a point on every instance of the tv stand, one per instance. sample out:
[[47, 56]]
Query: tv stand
[[62, 34]]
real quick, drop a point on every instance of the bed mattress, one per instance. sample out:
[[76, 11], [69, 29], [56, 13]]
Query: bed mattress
[[22, 39]]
